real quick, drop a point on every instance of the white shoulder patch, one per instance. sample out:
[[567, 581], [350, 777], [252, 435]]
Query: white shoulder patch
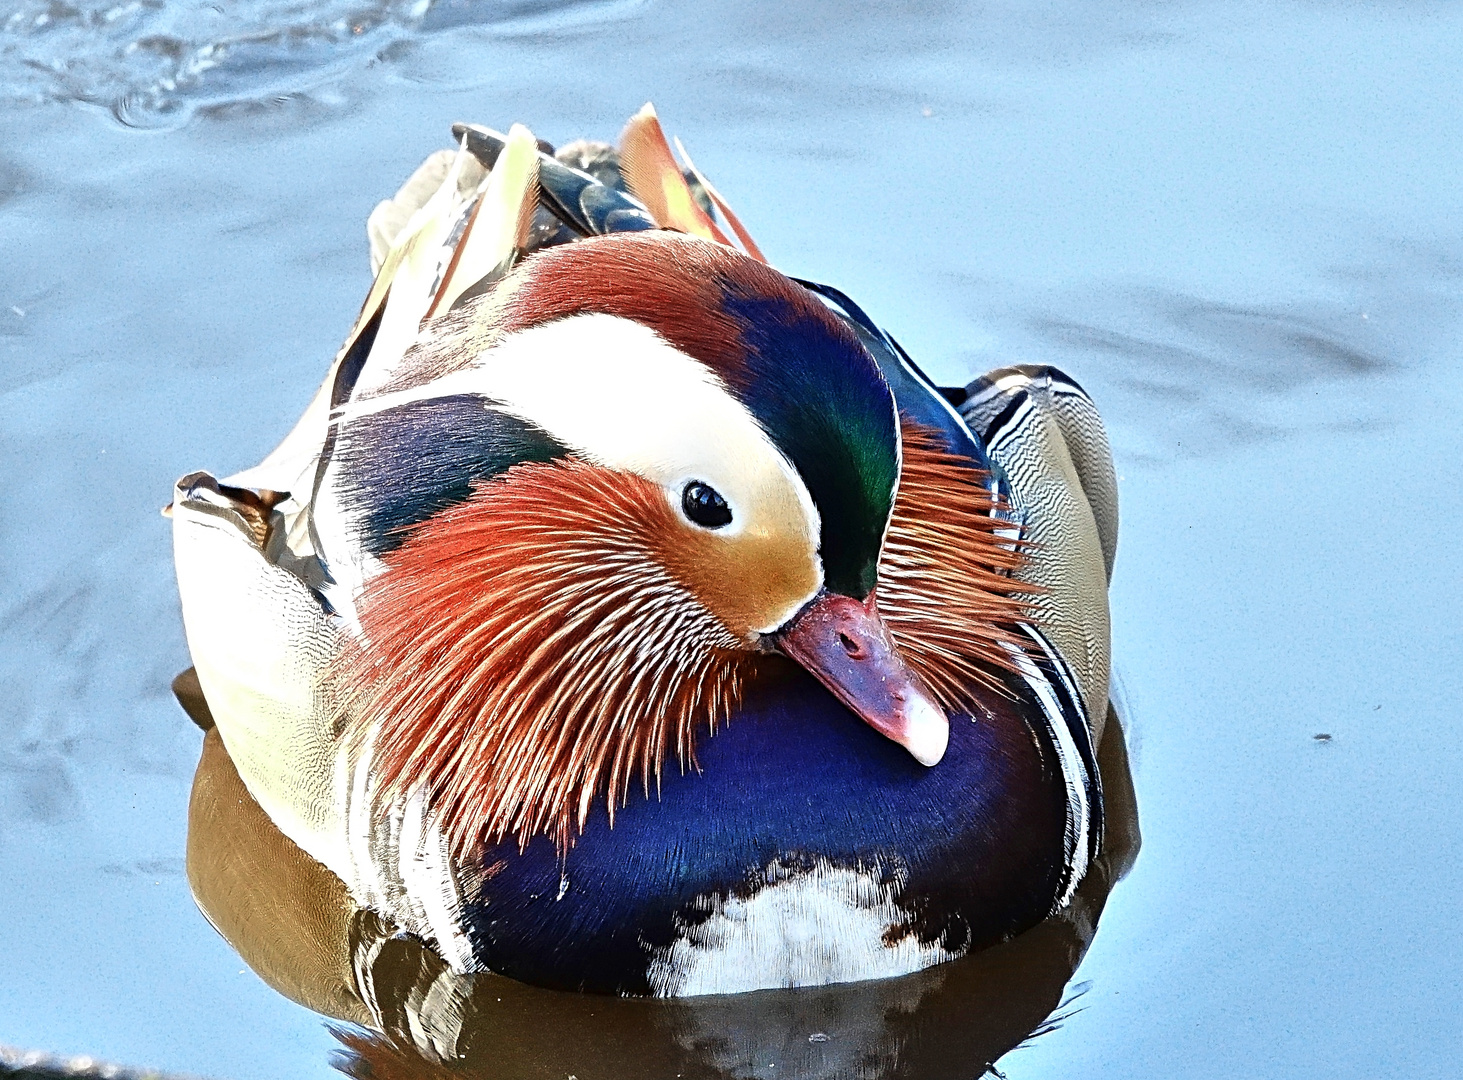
[[830, 924]]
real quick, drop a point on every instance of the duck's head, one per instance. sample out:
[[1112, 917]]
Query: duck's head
[[652, 461]]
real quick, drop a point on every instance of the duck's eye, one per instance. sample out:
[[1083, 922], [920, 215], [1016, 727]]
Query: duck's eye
[[704, 505]]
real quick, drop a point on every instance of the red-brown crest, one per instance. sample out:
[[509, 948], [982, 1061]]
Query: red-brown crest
[[670, 282]]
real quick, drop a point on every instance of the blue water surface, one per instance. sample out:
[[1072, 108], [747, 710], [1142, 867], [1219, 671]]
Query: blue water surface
[[1239, 225]]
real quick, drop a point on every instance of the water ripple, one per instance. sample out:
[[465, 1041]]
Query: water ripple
[[154, 63]]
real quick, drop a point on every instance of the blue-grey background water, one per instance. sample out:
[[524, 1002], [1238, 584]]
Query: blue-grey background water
[[1240, 225]]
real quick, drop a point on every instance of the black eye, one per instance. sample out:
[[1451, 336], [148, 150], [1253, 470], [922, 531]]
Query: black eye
[[705, 506]]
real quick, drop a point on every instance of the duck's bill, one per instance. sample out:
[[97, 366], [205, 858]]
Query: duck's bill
[[844, 644]]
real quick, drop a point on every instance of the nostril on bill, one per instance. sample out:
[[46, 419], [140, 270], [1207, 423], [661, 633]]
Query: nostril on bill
[[850, 646]]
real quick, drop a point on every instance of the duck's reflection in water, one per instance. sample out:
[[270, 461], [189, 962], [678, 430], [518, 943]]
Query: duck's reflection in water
[[409, 1015]]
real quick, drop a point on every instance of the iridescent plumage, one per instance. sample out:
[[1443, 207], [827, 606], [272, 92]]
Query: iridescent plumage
[[473, 622]]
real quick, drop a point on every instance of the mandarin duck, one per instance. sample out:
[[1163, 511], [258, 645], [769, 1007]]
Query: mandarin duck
[[624, 615]]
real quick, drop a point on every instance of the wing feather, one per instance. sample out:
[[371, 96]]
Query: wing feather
[[497, 229]]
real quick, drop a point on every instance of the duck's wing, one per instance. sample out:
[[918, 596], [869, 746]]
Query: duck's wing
[[995, 407], [262, 644], [253, 578], [1047, 436], [291, 469], [391, 215]]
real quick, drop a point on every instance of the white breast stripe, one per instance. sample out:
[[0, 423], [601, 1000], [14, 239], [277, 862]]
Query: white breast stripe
[[427, 876], [400, 864], [1074, 709], [1074, 769]]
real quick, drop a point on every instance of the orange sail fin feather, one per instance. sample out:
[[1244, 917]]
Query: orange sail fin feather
[[523, 658], [421, 277], [944, 577], [654, 178]]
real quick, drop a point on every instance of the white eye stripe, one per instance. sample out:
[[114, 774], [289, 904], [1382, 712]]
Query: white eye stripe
[[618, 394]]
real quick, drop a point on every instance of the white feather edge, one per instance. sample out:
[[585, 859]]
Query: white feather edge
[[416, 258], [495, 230]]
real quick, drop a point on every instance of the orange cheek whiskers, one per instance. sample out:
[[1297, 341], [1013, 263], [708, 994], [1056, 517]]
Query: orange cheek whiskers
[[945, 588], [524, 651]]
